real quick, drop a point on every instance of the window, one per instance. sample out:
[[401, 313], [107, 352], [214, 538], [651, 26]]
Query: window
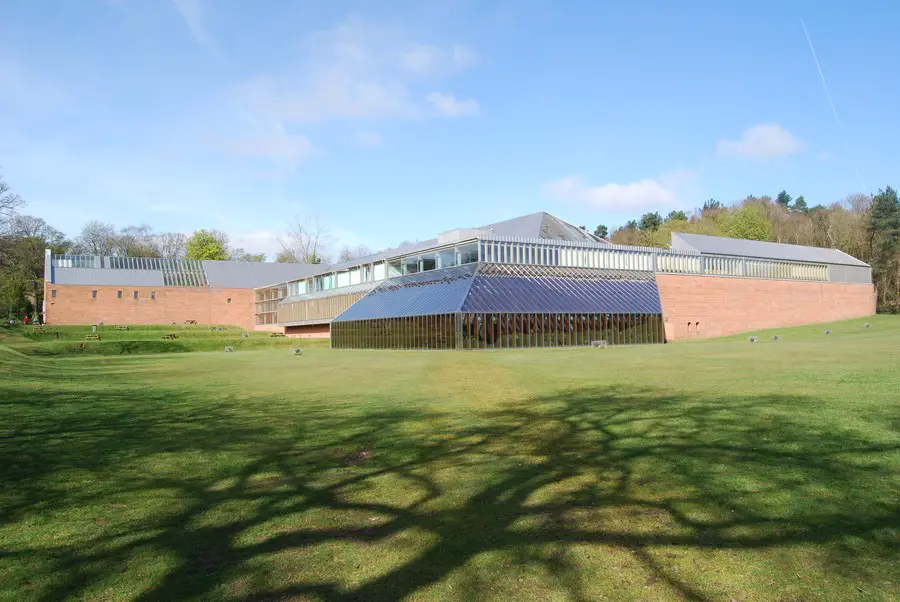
[[468, 253], [427, 262], [410, 265], [119, 295], [153, 295], [135, 294], [53, 293], [93, 294], [447, 258]]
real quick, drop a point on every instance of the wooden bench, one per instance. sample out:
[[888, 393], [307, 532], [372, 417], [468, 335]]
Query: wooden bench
[[121, 328], [170, 336], [92, 337], [190, 321], [276, 334]]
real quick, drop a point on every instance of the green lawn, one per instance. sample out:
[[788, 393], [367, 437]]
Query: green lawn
[[51, 341], [717, 470]]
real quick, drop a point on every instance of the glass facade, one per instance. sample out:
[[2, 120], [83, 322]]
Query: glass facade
[[416, 263], [267, 303], [498, 331], [490, 306]]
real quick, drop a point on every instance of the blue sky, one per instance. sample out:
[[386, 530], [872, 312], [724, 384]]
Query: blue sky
[[396, 120]]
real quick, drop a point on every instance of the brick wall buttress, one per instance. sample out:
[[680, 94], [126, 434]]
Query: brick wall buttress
[[711, 306]]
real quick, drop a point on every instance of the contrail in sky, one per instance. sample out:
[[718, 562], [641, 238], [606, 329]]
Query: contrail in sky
[[830, 101]]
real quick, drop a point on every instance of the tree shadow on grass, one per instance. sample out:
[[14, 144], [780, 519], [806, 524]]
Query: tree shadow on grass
[[636, 472]]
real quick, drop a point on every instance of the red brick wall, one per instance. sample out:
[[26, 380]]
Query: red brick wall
[[716, 306], [74, 305]]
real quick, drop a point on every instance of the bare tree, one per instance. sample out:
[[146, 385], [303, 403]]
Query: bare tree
[[98, 238], [305, 242], [241, 254], [346, 253], [858, 203], [171, 245], [29, 226], [138, 241], [9, 202]]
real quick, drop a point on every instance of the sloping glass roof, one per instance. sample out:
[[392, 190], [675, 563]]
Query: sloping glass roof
[[426, 293], [493, 288], [561, 294]]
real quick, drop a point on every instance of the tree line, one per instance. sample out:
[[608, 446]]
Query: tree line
[[23, 239], [864, 226]]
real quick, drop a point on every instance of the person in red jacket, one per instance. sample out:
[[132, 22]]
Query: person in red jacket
[[25, 321]]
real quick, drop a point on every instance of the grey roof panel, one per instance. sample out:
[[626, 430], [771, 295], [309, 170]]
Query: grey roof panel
[[524, 226], [249, 274], [540, 225], [107, 277], [554, 228], [720, 245]]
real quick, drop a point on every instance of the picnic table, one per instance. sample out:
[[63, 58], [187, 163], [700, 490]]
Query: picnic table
[[121, 328], [170, 336], [190, 321], [276, 334], [92, 337]]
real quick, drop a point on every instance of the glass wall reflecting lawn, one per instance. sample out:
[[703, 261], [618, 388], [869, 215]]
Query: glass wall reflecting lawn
[[498, 331]]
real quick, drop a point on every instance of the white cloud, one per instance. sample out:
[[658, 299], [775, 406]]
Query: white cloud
[[256, 241], [420, 58], [449, 105], [192, 13], [464, 57], [289, 148], [354, 71], [368, 139], [825, 156], [763, 141], [646, 193], [643, 193]]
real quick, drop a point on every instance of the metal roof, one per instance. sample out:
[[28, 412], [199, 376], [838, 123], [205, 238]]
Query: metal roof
[[250, 274], [720, 245], [526, 226], [107, 277], [540, 225]]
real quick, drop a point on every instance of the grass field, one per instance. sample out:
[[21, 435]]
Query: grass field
[[51, 341], [717, 470]]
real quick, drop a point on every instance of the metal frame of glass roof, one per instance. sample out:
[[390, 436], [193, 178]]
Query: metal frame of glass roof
[[497, 288]]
